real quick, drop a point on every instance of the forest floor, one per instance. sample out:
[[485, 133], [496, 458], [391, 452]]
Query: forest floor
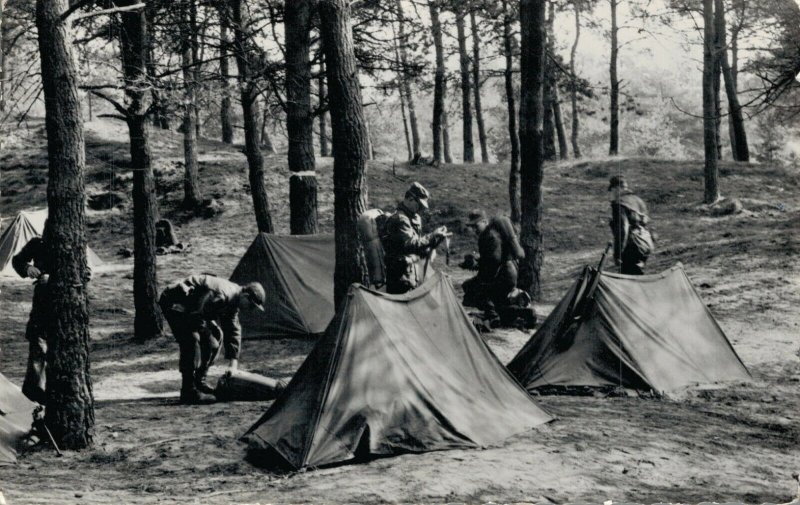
[[739, 443]]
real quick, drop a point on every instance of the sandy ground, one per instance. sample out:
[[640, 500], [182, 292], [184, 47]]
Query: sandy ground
[[739, 443]]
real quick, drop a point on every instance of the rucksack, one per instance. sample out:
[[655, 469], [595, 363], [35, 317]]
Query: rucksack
[[371, 228], [640, 244]]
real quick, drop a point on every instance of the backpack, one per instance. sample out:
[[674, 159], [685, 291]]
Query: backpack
[[371, 228], [640, 244]]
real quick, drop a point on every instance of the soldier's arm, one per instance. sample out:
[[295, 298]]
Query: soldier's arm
[[21, 261], [231, 335], [410, 242]]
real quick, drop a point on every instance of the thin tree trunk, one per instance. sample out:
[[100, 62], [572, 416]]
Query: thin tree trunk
[[448, 157], [350, 143], [508, 74], [613, 148], [439, 86], [266, 139], [406, 86], [548, 90], [476, 80], [299, 120], [559, 125], [191, 183], [225, 110], [409, 147], [532, 23], [70, 404], [711, 190], [2, 58], [576, 150], [323, 123], [718, 49], [196, 68], [250, 113], [738, 134], [466, 101]]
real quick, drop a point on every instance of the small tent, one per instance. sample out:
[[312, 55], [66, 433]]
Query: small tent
[[394, 374], [648, 332], [297, 274], [16, 415], [23, 228]]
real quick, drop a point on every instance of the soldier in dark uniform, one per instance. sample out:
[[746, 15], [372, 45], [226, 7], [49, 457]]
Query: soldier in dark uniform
[[405, 247], [31, 262], [202, 311], [632, 240]]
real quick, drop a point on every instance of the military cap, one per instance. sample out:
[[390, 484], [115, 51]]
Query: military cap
[[476, 216], [419, 192], [616, 181], [256, 295]]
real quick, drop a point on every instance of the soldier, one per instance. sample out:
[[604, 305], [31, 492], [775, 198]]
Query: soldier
[[632, 240], [31, 262], [404, 244], [203, 310], [494, 289]]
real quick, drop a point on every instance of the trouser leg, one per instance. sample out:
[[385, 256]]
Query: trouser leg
[[35, 376], [209, 341]]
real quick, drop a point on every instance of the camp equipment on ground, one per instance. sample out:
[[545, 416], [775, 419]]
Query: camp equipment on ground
[[16, 413], [296, 272], [394, 374], [238, 385], [645, 332]]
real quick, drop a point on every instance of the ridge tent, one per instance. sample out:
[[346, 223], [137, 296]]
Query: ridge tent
[[647, 332], [16, 416], [395, 374], [297, 274], [25, 226]]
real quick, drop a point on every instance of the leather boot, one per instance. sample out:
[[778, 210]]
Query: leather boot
[[200, 382], [189, 393]]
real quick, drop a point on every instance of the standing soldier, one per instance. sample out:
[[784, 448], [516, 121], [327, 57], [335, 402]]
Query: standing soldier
[[632, 241], [203, 310], [404, 244]]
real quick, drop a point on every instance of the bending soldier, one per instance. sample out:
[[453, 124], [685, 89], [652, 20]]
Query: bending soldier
[[404, 245], [203, 311], [632, 240]]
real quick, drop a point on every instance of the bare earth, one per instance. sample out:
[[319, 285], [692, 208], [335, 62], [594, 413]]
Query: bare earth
[[739, 443]]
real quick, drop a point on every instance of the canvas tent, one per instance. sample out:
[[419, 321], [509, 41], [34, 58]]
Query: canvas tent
[[23, 228], [297, 274], [15, 419], [393, 374], [649, 332]]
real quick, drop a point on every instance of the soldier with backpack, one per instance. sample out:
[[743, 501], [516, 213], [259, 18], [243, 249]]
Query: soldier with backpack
[[633, 242]]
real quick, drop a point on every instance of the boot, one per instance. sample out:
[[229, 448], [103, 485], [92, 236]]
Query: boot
[[200, 382], [189, 393]]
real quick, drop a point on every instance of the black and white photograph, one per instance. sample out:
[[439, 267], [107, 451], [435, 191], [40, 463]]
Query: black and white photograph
[[537, 252]]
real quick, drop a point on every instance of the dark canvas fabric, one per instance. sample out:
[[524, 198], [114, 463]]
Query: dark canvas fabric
[[641, 332], [393, 374], [19, 232], [15, 419], [297, 274]]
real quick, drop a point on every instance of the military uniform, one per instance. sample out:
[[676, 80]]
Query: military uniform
[[632, 240], [31, 262], [405, 248], [203, 312]]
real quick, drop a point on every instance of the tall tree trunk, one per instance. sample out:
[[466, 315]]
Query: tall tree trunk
[[147, 323], [250, 113], [323, 104], [191, 182], [404, 80], [225, 110], [196, 65], [350, 143], [613, 147], [401, 91], [508, 74], [573, 95], [532, 24], [738, 135], [439, 86], [476, 80], [299, 120], [266, 138], [711, 192], [2, 58], [448, 157], [548, 90], [70, 403], [466, 101], [558, 121], [719, 48]]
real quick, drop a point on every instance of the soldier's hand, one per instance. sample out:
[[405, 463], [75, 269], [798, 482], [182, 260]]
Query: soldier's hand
[[233, 365], [33, 272], [43, 278]]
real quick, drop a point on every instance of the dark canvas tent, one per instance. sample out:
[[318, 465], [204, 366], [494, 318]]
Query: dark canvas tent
[[23, 228], [297, 274], [649, 332], [393, 374], [15, 419]]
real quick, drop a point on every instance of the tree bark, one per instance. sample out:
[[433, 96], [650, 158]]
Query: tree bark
[[2, 58], [191, 182], [718, 49], [70, 403], [476, 80], [323, 123], [508, 74], [197, 64], [448, 157], [266, 139], [738, 134], [350, 144], [548, 90], [532, 23], [613, 148], [250, 113], [299, 120], [711, 189], [225, 110], [439, 86], [558, 121], [406, 85], [466, 101], [573, 95]]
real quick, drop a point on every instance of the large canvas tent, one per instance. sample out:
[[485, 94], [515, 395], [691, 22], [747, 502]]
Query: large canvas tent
[[15, 419], [394, 374], [23, 228], [297, 274], [649, 332]]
